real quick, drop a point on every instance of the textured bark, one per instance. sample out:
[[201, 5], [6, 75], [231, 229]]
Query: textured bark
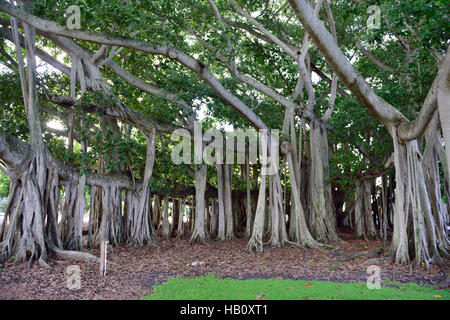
[[298, 230], [16, 156], [358, 225], [412, 203], [364, 226], [214, 218], [106, 220], [384, 209], [278, 234], [180, 234], [334, 56], [399, 244], [227, 173], [175, 219], [221, 199], [269, 210], [142, 231], [275, 201], [191, 218], [256, 242], [199, 68], [322, 218], [248, 203], [378, 107], [443, 101], [80, 209], [371, 232], [156, 211], [26, 234], [208, 210], [75, 255], [436, 224], [302, 236], [292, 218], [69, 216], [165, 223], [199, 232], [34, 195]]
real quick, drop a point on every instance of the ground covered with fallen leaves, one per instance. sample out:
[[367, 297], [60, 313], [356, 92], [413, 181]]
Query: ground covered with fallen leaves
[[132, 272]]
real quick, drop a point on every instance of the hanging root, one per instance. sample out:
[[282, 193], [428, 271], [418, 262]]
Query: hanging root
[[322, 222]]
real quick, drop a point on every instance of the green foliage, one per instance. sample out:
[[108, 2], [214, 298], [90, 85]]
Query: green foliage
[[423, 23], [212, 287], [12, 113], [4, 185]]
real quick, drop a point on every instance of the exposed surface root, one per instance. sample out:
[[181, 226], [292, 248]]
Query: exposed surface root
[[75, 255]]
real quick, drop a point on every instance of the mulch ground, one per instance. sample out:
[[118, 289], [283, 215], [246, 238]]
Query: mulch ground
[[132, 272]]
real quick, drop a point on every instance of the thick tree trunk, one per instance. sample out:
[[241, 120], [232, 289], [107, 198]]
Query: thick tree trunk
[[256, 241], [248, 203], [214, 218], [358, 212], [278, 235], [142, 231], [371, 231], [278, 225], [69, 215], [79, 213], [384, 209], [156, 211], [443, 101], [322, 217], [436, 228], [228, 172], [268, 212], [364, 226], [199, 233], [175, 214], [166, 227], [412, 202], [26, 233], [180, 219], [191, 217], [292, 218], [302, 236], [96, 213], [208, 214], [221, 199], [111, 227]]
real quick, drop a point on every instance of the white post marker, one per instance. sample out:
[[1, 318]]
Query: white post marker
[[103, 260]]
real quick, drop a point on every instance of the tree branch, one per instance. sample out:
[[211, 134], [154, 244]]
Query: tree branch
[[166, 50], [378, 107]]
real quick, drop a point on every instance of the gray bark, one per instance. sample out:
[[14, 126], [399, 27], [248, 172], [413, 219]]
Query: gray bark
[[199, 232], [221, 199], [166, 227]]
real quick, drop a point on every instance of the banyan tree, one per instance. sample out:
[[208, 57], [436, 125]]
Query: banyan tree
[[361, 112]]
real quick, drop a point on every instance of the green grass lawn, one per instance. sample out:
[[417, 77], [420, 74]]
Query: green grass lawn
[[215, 288]]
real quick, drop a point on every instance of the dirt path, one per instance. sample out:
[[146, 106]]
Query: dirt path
[[134, 271]]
